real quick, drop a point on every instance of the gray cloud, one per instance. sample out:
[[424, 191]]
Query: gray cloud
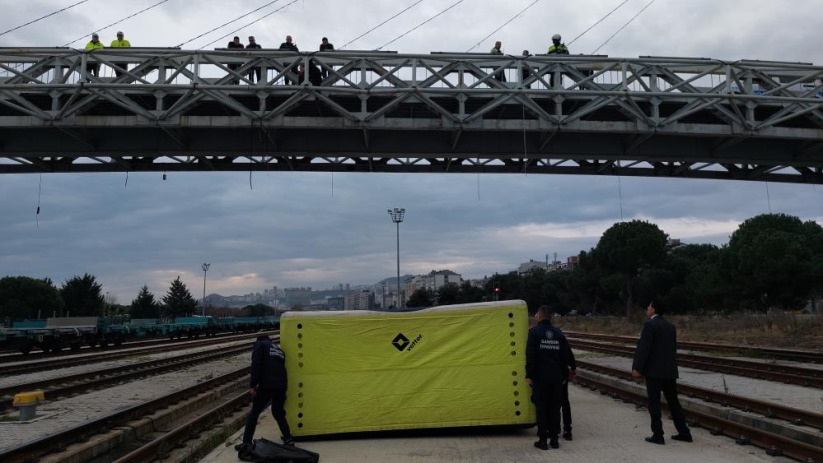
[[321, 229]]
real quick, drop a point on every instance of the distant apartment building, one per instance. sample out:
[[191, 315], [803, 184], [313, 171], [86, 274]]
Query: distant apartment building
[[297, 296], [361, 300], [572, 262], [336, 302], [531, 266]]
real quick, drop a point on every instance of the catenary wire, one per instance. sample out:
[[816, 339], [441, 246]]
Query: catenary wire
[[418, 26], [249, 24], [118, 21], [623, 27], [42, 17], [504, 25], [599, 21], [377, 26], [227, 23]]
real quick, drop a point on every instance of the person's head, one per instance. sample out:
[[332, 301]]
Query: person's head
[[544, 312], [556, 39], [288, 39], [325, 40], [656, 307], [119, 35], [95, 38], [251, 39], [526, 53], [498, 44], [236, 39]]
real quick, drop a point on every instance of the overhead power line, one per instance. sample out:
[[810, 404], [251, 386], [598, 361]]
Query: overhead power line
[[227, 23], [599, 21], [249, 24], [504, 25], [42, 17], [118, 21], [418, 26], [623, 27], [377, 26]]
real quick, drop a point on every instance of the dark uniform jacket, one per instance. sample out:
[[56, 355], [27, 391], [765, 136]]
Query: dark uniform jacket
[[288, 46], [547, 354], [268, 366], [656, 355]]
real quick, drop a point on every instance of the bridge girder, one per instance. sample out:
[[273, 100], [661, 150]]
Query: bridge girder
[[176, 110]]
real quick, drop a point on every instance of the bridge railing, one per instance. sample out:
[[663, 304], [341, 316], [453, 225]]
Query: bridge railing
[[365, 70]]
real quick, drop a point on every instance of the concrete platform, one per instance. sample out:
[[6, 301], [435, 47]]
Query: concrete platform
[[605, 430]]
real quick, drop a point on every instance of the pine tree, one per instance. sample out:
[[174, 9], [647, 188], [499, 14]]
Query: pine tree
[[144, 305], [83, 296], [179, 301]]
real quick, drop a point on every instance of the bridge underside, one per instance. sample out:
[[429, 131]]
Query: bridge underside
[[648, 122]]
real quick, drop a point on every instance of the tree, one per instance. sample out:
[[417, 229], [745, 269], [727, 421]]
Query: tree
[[83, 296], [422, 297], [469, 293], [447, 294], [774, 260], [179, 301], [258, 310], [628, 248], [144, 305], [28, 298]]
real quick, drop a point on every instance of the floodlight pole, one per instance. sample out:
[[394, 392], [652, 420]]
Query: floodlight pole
[[397, 215], [205, 268]]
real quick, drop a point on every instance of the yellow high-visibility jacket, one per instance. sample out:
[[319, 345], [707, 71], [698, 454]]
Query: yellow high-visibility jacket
[[120, 44]]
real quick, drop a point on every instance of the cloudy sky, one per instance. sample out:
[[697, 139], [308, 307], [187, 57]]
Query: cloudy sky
[[319, 229]]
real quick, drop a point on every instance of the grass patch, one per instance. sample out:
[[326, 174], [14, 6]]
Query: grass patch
[[783, 330]]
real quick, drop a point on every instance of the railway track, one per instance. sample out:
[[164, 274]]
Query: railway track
[[147, 431], [808, 377], [776, 439], [63, 386], [83, 359], [805, 356]]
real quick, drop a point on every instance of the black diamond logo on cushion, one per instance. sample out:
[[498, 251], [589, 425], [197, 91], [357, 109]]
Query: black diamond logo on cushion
[[400, 342]]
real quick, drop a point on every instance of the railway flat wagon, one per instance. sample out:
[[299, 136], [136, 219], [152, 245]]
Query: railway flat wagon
[[442, 367]]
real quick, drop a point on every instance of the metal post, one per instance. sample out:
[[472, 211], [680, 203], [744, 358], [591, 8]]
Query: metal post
[[205, 268], [397, 216]]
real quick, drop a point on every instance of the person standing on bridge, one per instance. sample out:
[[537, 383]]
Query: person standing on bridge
[[325, 46], [94, 44], [546, 359], [497, 49], [120, 42], [235, 43], [255, 71], [656, 359], [556, 48], [268, 384]]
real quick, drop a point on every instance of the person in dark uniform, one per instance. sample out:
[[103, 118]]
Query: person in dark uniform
[[325, 45], [566, 408], [235, 43], [546, 358], [656, 359], [268, 384], [255, 71]]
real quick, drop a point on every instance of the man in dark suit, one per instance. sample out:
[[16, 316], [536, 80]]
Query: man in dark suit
[[656, 359]]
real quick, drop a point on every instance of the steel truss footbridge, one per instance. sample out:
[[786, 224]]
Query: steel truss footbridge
[[178, 110]]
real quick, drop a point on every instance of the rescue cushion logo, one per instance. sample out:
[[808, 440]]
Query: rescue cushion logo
[[401, 342]]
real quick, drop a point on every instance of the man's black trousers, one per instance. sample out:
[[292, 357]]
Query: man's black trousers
[[669, 389], [546, 397], [277, 397]]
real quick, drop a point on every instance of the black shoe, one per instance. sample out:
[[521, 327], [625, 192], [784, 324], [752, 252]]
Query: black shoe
[[567, 435], [541, 444], [554, 444], [656, 440], [288, 441], [243, 446], [683, 437]]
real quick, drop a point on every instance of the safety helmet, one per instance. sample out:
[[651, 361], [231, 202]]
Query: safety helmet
[[556, 37]]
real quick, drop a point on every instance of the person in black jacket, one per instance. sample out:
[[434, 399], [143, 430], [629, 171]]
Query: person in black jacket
[[267, 384], [235, 43], [566, 408], [546, 358], [255, 71], [656, 359]]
